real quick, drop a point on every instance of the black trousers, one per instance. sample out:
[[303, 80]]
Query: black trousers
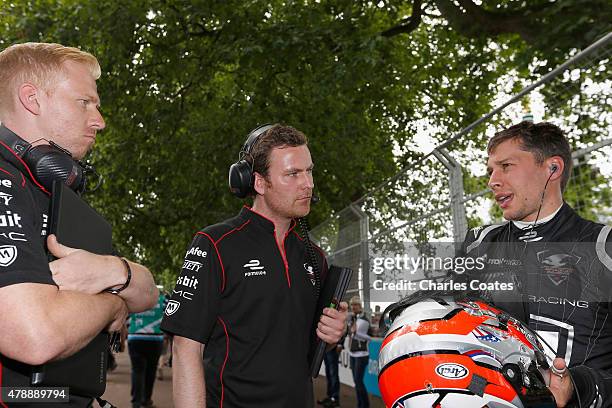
[[144, 355]]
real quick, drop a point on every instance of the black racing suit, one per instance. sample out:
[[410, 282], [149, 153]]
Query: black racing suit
[[562, 278]]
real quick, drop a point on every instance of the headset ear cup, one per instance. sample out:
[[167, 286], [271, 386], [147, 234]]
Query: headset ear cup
[[48, 163], [241, 179], [241, 173]]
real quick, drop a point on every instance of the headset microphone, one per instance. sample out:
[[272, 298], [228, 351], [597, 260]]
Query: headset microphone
[[314, 198], [553, 168], [89, 170]]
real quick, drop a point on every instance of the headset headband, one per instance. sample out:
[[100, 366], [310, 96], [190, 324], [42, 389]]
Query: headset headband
[[253, 137]]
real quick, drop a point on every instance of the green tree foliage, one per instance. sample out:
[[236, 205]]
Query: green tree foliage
[[184, 81]]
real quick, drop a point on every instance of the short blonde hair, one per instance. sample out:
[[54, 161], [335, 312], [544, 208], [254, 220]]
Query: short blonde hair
[[355, 300], [38, 64]]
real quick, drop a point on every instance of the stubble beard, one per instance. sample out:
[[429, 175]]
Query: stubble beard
[[521, 213]]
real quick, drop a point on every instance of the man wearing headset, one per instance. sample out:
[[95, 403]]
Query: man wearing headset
[[564, 270], [246, 295], [50, 310]]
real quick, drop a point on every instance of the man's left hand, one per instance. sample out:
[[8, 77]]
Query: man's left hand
[[561, 385], [332, 324]]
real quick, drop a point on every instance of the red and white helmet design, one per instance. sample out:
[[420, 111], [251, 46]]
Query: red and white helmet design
[[452, 354]]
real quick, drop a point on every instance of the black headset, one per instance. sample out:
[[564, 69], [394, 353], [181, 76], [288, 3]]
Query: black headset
[[241, 173], [43, 163]]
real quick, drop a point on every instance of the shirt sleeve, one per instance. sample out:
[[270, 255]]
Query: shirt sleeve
[[23, 258], [593, 387], [193, 306], [361, 331]]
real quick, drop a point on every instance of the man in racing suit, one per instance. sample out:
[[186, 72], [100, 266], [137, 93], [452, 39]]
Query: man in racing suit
[[556, 263]]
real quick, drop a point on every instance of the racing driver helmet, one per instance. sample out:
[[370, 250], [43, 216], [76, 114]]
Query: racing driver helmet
[[445, 353]]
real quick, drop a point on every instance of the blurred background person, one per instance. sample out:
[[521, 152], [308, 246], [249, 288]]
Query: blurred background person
[[145, 343], [359, 327], [332, 360]]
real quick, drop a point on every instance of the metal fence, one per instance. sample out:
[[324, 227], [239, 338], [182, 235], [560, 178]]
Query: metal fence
[[437, 199]]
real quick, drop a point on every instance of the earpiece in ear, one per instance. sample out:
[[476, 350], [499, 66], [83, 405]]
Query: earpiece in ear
[[553, 168]]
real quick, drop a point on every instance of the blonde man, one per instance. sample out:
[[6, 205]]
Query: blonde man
[[52, 309]]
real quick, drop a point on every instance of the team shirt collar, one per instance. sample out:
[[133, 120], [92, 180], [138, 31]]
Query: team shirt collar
[[256, 218]]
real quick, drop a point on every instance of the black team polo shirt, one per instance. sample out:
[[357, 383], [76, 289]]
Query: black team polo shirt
[[253, 312], [24, 220]]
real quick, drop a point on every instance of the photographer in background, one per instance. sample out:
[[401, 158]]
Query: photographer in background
[[359, 328]]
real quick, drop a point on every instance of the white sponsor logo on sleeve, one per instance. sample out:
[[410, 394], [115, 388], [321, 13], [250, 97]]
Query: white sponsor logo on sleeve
[[45, 221], [184, 294], [188, 281], [197, 252], [172, 307], [8, 254], [5, 198], [10, 219], [192, 265], [14, 236]]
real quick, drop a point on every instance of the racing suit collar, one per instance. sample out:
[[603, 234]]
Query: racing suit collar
[[529, 224], [546, 230]]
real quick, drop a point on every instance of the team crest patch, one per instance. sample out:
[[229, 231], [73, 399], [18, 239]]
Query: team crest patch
[[557, 266], [310, 273], [8, 254]]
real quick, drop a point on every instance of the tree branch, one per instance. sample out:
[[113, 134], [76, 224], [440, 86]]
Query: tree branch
[[473, 20], [409, 24], [185, 25], [203, 32]]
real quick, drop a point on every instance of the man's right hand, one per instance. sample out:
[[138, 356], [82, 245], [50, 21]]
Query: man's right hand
[[561, 385]]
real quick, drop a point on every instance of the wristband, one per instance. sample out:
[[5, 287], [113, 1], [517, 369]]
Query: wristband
[[127, 281]]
